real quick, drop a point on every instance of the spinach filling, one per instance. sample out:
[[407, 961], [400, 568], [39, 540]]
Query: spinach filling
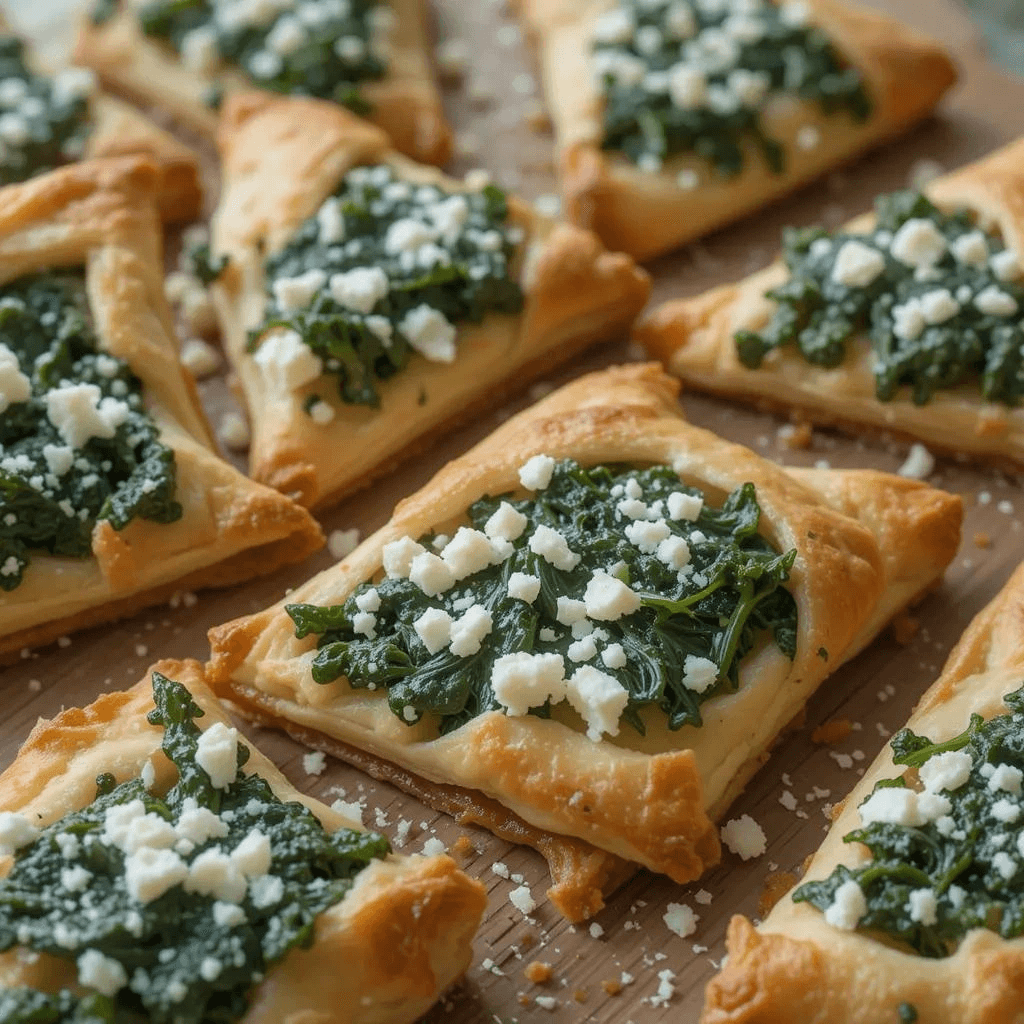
[[76, 443], [324, 48], [694, 76], [938, 297], [950, 857], [43, 121], [682, 593], [386, 268], [187, 955]]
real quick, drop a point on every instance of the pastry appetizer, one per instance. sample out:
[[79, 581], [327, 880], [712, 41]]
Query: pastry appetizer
[[110, 495], [371, 301], [600, 618], [911, 909], [155, 867], [47, 121], [673, 119], [371, 57], [907, 320]]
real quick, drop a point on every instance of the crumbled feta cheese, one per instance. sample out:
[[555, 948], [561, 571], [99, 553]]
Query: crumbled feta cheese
[[314, 762], [598, 698], [899, 806], [918, 243], [946, 771], [101, 973], [553, 548], [699, 674], [80, 412], [287, 360], [994, 301], [687, 86], [744, 837], [214, 873], [198, 824], [429, 572], [608, 599], [16, 831], [407, 236], [919, 463], [429, 333], [522, 900], [569, 611], [674, 552], [970, 249], [665, 989], [524, 587], [217, 754], [646, 536], [468, 552], [684, 506], [353, 810], [296, 293], [14, 385], [199, 50], [1006, 778], [331, 222], [679, 918], [938, 306], [1006, 811], [252, 856], [614, 656], [1005, 865], [857, 265], [505, 523], [149, 873], [614, 27], [398, 557], [582, 650], [848, 906], [469, 630], [1005, 265], [434, 628], [535, 474], [360, 289], [228, 915]]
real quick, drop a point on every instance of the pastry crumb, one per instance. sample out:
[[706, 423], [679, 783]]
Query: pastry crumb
[[776, 885], [982, 539], [580, 995], [537, 972], [612, 987], [463, 848], [904, 628], [833, 732], [796, 435]]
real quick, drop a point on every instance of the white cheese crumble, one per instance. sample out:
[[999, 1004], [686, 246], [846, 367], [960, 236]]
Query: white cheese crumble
[[398, 556], [744, 837], [608, 599], [674, 552], [994, 301], [14, 385], [684, 506], [287, 360], [522, 681], [252, 855], [946, 771], [468, 552], [429, 572], [699, 674], [295, 293], [360, 289], [469, 630], [1005, 265], [149, 873], [522, 900], [553, 548], [900, 806], [314, 762], [918, 243], [614, 656], [200, 358], [434, 628], [16, 831], [848, 906], [233, 431], [433, 847], [80, 412], [535, 473], [101, 973], [341, 543], [1006, 778], [598, 698], [331, 222], [646, 536], [919, 463], [681, 919], [505, 523], [923, 906], [524, 587], [214, 873], [428, 331], [217, 754], [857, 265], [970, 249]]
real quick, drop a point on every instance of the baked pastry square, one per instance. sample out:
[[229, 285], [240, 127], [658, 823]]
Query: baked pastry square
[[111, 497], [600, 618], [373, 57], [52, 119], [910, 909], [370, 302], [175, 874], [673, 119], [907, 320]]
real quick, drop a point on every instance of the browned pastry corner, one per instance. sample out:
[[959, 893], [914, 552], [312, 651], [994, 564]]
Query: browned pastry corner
[[405, 103], [354, 960], [654, 799], [646, 213], [101, 215], [695, 339], [281, 159], [795, 964]]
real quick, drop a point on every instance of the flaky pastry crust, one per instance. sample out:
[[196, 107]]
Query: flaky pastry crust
[[796, 966], [695, 340], [401, 935], [405, 103], [644, 213], [281, 159], [649, 799], [101, 214]]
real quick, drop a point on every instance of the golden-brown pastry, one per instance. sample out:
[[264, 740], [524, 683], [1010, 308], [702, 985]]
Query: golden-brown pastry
[[701, 68], [53, 119], [191, 83], [962, 283], [549, 291], [112, 495], [382, 948], [828, 966], [826, 568]]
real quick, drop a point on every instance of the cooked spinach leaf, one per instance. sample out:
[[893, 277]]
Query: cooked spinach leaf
[[76, 443], [939, 298], [695, 77], [327, 48], [30, 1006], [190, 953], [705, 590], [950, 857], [384, 269]]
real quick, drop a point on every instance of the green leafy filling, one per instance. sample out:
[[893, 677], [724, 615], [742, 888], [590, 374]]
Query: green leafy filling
[[820, 315], [694, 77], [167, 946], [970, 860], [716, 608], [326, 49], [43, 121], [52, 495], [462, 273]]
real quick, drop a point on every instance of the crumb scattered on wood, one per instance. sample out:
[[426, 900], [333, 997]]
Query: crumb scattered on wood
[[799, 435], [464, 849], [776, 885], [904, 628], [580, 995], [537, 972], [833, 732], [613, 987], [982, 540], [527, 941]]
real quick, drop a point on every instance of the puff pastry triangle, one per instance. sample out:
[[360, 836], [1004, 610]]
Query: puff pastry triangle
[[651, 798]]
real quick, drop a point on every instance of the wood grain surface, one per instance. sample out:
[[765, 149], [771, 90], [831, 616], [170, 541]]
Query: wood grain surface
[[875, 692]]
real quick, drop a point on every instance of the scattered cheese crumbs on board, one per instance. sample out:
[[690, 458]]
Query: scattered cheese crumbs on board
[[703, 897], [342, 542], [919, 463], [347, 809], [433, 847], [596, 931], [666, 990], [679, 918], [522, 900], [314, 762], [744, 837], [547, 1002], [500, 869]]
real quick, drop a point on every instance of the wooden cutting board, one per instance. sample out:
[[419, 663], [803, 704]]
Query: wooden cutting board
[[875, 692]]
